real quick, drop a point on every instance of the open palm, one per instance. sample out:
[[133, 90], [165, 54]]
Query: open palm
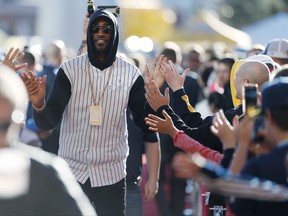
[[155, 73], [36, 88], [164, 126]]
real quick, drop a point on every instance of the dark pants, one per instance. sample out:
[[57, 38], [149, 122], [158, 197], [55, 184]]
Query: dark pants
[[134, 199], [108, 200]]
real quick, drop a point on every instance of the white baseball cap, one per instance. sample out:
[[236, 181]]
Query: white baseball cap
[[264, 59], [277, 48]]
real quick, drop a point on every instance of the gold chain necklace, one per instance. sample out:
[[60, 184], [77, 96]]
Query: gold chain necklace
[[91, 85]]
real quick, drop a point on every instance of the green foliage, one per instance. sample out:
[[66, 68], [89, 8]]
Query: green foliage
[[239, 13]]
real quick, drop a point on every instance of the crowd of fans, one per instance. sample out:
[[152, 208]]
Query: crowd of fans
[[205, 135]]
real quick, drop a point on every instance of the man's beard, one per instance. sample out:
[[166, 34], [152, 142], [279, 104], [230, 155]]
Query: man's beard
[[101, 49]]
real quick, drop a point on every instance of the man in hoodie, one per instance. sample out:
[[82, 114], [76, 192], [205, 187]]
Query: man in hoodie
[[92, 92], [137, 141]]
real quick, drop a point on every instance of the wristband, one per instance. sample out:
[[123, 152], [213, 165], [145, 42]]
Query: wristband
[[39, 109]]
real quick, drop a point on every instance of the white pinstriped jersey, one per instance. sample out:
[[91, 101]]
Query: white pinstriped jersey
[[97, 152]]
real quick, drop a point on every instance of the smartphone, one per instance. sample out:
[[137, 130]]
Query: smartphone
[[90, 7], [249, 102], [113, 9]]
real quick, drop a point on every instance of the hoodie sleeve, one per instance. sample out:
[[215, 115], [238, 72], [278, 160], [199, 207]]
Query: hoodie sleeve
[[137, 103], [184, 109], [56, 103], [202, 133]]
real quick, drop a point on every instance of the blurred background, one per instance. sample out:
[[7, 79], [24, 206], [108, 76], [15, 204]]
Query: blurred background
[[228, 30], [146, 24]]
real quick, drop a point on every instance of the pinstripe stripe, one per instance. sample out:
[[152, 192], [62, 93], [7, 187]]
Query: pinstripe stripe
[[98, 152]]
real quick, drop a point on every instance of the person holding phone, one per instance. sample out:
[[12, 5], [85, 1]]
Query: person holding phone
[[271, 166], [192, 124]]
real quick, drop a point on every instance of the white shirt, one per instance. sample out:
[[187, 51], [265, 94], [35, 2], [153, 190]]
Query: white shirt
[[97, 152]]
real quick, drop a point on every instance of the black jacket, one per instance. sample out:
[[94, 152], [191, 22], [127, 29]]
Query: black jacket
[[192, 123]]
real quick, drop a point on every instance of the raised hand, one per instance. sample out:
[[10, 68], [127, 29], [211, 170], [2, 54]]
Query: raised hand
[[13, 58], [85, 25], [36, 88], [171, 75], [155, 73], [224, 130], [154, 97], [83, 46], [164, 126]]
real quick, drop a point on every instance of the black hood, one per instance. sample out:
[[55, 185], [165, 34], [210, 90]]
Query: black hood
[[113, 44]]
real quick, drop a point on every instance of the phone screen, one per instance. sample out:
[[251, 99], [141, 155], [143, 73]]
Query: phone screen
[[250, 99]]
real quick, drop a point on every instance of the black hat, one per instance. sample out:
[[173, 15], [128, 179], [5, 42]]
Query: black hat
[[275, 94]]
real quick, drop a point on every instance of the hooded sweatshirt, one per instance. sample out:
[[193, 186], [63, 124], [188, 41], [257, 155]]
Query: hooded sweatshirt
[[97, 152], [114, 40]]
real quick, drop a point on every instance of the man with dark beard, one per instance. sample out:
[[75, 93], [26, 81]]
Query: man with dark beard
[[92, 92]]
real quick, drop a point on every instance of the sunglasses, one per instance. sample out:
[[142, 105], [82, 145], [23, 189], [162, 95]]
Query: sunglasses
[[106, 29]]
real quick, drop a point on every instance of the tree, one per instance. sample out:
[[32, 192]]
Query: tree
[[244, 12]]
